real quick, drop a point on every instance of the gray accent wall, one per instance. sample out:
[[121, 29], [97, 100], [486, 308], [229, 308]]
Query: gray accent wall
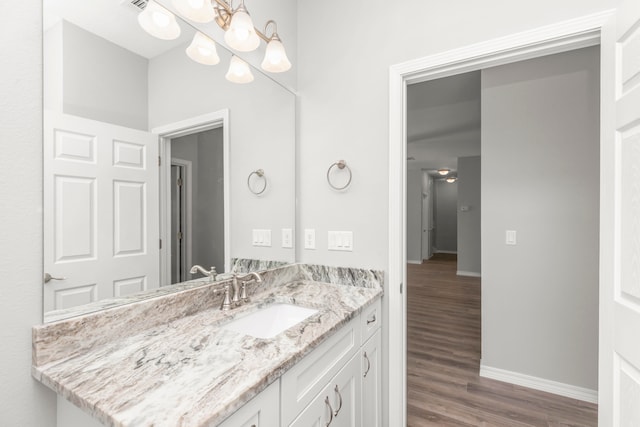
[[446, 216], [205, 151], [540, 177], [414, 216], [469, 208]]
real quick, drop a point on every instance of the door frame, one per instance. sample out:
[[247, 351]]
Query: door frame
[[556, 38], [167, 132]]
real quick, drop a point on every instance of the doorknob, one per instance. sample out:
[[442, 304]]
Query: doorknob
[[48, 278]]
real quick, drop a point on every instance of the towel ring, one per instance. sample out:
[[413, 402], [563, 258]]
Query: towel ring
[[260, 174], [340, 164]]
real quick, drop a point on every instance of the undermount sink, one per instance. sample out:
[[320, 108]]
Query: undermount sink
[[269, 321]]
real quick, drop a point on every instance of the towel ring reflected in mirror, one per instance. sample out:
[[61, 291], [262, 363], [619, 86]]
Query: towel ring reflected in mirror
[[259, 173], [341, 165]]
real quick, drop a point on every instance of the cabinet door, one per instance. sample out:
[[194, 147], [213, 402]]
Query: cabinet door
[[306, 379], [261, 411], [371, 381], [338, 404]]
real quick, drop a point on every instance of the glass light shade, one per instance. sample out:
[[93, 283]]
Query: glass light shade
[[239, 71], [195, 10], [159, 22], [443, 171], [451, 179], [241, 35], [203, 50], [275, 58]]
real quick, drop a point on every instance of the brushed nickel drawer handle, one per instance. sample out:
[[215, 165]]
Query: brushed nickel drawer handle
[[337, 390], [368, 364], [369, 321], [326, 400]]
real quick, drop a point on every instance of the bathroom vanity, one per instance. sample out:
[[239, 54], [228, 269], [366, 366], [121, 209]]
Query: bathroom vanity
[[173, 360]]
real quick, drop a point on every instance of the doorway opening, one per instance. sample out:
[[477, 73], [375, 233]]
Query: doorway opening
[[562, 37], [194, 195]]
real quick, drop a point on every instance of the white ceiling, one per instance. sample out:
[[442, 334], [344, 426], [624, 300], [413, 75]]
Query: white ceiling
[[443, 121], [114, 20]]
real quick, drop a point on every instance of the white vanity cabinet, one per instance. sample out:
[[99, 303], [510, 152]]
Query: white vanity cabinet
[[338, 403], [261, 411], [338, 369]]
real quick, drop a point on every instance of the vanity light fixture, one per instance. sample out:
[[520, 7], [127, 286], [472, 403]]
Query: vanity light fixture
[[196, 10], [451, 179], [159, 22], [443, 172], [241, 34], [239, 71], [275, 57], [203, 50]]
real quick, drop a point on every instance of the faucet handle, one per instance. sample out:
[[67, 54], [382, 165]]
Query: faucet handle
[[226, 301], [243, 293]]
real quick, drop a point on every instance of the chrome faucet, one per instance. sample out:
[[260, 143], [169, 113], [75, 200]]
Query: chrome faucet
[[211, 273], [239, 288]]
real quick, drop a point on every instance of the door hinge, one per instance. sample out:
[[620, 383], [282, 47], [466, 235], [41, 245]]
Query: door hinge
[[159, 161], [160, 243], [179, 235], [400, 287]]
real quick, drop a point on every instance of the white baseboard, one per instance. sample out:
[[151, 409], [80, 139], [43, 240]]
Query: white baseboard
[[468, 273], [542, 384], [445, 252], [413, 261]]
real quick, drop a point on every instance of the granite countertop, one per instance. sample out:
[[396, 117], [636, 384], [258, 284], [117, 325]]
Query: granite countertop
[[189, 371]]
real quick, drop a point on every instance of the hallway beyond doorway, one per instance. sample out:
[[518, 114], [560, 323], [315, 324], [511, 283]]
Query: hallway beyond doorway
[[443, 361]]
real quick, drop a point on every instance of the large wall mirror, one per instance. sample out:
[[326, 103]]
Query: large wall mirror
[[154, 163]]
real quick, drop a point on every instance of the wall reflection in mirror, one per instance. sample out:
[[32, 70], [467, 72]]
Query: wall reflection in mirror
[[147, 158]]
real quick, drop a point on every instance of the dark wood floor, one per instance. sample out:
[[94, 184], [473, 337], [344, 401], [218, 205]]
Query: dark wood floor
[[443, 360]]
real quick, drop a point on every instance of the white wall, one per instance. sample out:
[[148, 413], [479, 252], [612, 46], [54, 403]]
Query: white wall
[[102, 81], [262, 136], [414, 216], [23, 400], [469, 196], [446, 216], [540, 177]]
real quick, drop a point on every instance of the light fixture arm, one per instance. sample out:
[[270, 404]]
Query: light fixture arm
[[225, 11]]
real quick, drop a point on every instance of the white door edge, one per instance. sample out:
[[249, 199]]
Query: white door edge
[[560, 37], [174, 130]]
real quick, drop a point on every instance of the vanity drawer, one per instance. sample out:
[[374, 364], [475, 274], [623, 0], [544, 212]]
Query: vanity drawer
[[261, 411], [300, 385], [371, 319]]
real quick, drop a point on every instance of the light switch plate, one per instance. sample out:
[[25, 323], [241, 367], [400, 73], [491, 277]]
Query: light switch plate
[[261, 237], [309, 238], [510, 238], [287, 238], [340, 241]]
